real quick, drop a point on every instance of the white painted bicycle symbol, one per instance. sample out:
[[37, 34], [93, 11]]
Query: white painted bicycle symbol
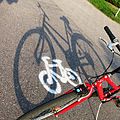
[[67, 75]]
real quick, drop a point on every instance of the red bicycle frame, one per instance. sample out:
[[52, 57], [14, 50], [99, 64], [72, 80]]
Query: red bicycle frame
[[104, 97]]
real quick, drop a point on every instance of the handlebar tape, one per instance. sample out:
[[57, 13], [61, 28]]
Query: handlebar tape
[[110, 34], [116, 70]]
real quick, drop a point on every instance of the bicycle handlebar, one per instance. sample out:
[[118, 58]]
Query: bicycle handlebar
[[118, 47], [112, 37], [110, 34]]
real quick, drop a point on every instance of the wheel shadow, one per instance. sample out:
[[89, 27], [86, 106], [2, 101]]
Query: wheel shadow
[[80, 49], [23, 102]]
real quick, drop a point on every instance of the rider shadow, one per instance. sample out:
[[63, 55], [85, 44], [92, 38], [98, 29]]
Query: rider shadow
[[10, 1]]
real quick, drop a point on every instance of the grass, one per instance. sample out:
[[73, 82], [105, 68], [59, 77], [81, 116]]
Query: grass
[[107, 8]]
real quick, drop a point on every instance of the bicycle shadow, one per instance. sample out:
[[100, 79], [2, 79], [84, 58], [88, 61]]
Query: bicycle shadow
[[75, 55]]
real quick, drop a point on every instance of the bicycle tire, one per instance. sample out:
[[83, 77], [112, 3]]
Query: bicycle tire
[[41, 109]]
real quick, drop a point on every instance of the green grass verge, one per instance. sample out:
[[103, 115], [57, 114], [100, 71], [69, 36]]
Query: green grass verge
[[107, 8]]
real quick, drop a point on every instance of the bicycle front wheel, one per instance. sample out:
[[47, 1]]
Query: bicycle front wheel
[[47, 109]]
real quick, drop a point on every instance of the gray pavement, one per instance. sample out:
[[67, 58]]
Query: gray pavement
[[88, 18], [71, 34]]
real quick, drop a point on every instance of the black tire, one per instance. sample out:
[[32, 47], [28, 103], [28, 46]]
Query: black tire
[[42, 110]]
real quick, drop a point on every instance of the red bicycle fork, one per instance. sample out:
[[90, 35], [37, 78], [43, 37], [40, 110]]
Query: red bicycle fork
[[104, 97]]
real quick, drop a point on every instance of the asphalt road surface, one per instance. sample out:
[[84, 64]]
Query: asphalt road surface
[[66, 30]]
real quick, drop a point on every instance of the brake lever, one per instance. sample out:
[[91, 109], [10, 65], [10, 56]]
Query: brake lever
[[110, 45], [103, 40]]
